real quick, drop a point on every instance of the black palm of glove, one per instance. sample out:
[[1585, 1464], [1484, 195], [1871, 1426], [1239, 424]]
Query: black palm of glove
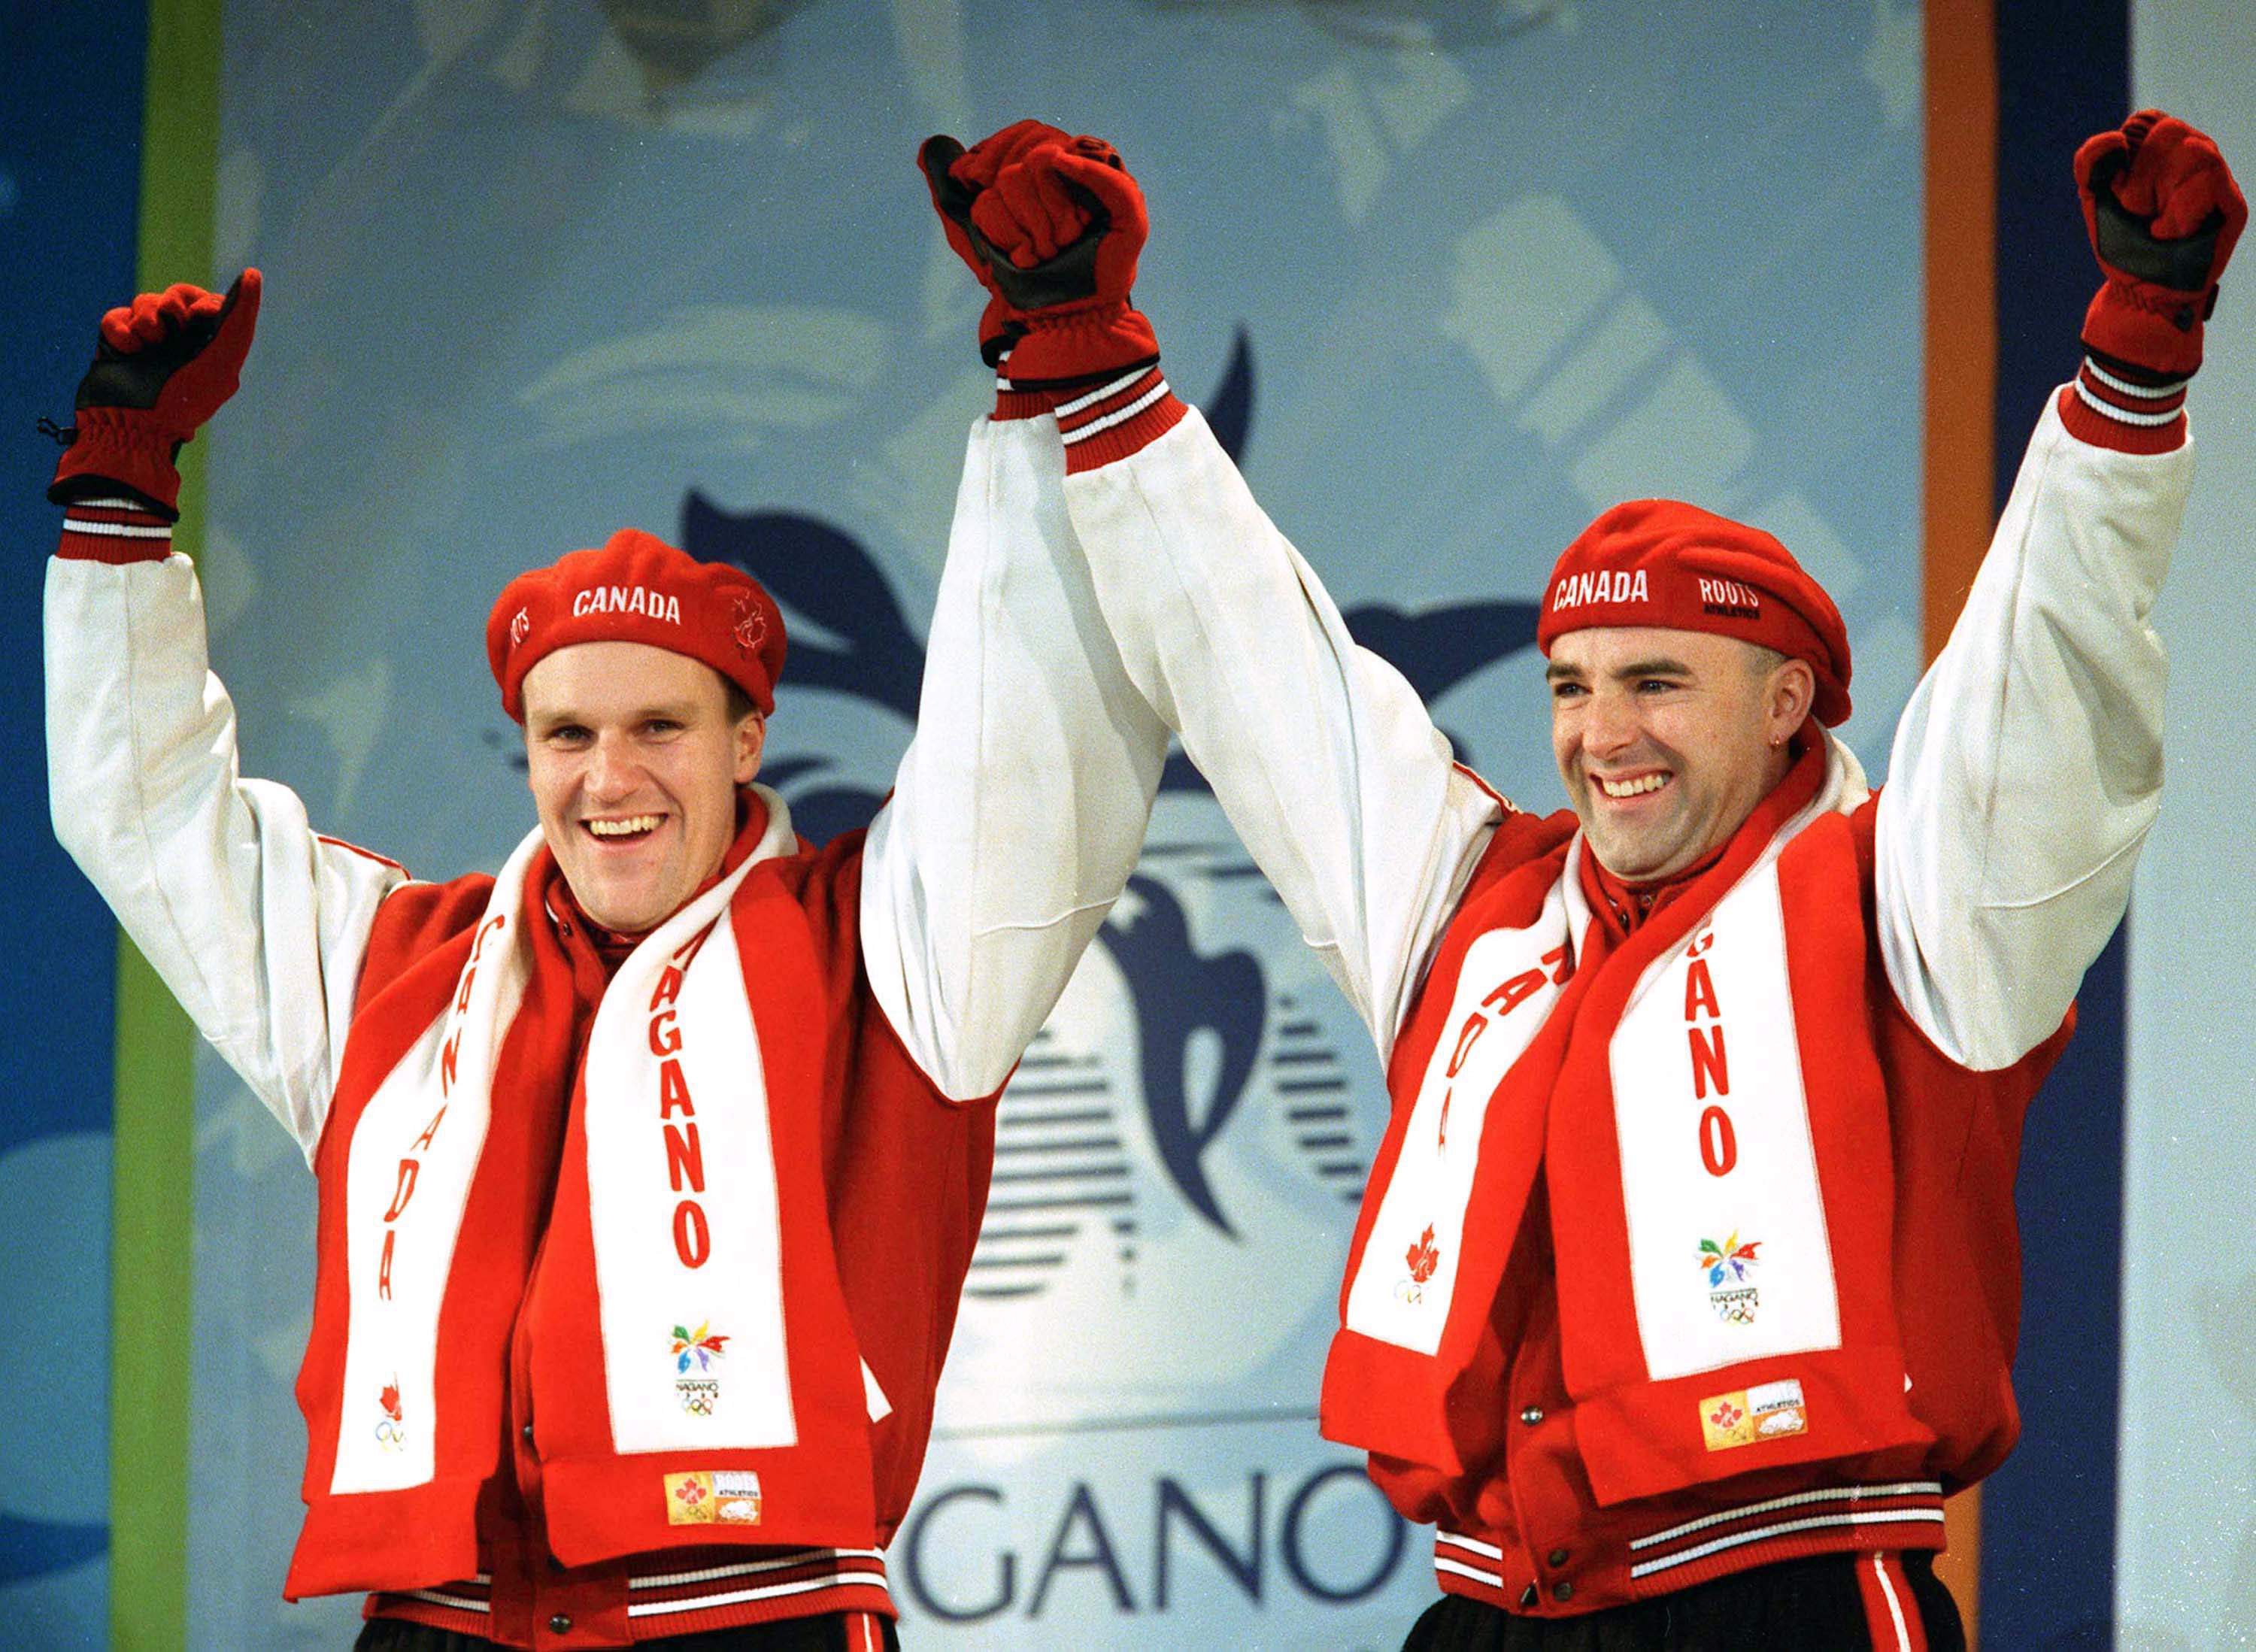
[[2163, 213]]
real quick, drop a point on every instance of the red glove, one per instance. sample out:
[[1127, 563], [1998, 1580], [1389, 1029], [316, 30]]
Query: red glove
[[956, 176], [166, 363], [1052, 226], [2162, 212]]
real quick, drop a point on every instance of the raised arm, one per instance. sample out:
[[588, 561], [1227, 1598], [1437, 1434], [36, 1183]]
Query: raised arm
[[255, 924], [1021, 803], [1320, 753], [2027, 768]]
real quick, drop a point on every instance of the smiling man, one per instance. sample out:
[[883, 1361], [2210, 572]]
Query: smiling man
[[1685, 1286], [1691, 716], [649, 1170], [1668, 734], [636, 755], [1687, 652]]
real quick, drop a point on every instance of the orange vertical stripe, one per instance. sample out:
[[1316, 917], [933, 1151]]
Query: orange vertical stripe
[[1959, 1566], [1959, 450]]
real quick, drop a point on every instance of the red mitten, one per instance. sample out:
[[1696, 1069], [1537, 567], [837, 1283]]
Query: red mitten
[[2163, 212], [166, 363]]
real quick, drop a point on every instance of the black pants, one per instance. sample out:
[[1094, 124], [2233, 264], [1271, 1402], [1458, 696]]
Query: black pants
[[824, 1633], [1796, 1606]]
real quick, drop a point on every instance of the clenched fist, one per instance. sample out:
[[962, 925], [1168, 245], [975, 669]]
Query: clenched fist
[[164, 365], [1051, 226], [2163, 212]]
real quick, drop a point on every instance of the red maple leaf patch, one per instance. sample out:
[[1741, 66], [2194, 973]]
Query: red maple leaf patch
[[389, 1400], [1422, 1257]]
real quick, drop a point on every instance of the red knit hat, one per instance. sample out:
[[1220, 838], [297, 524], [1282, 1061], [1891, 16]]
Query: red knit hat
[[637, 589], [1662, 562]]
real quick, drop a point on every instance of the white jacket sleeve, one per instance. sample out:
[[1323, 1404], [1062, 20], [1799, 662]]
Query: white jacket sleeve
[[2028, 766], [257, 925], [1020, 805], [1320, 753]]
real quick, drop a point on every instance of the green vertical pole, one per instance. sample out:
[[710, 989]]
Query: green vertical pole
[[154, 1234]]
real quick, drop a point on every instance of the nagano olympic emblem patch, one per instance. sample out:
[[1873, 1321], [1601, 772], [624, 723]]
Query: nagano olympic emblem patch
[[696, 1375], [1729, 1268]]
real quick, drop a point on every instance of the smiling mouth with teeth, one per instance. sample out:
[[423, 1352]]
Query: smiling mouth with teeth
[[633, 826], [1637, 787]]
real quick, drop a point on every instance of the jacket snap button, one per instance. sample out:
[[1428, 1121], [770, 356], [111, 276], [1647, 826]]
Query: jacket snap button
[[561, 1625], [1532, 1415], [527, 1432], [1562, 1591], [1556, 1557]]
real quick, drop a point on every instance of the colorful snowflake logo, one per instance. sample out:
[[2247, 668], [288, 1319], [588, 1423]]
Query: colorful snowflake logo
[[1731, 1259], [702, 1345]]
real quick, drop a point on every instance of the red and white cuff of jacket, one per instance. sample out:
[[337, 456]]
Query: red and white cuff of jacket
[[114, 528], [2110, 405], [1103, 423]]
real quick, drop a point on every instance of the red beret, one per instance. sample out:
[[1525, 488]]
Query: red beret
[[637, 589], [1661, 562]]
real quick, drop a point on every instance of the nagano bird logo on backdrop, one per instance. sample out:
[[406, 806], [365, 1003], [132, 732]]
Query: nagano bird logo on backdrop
[[1191, 1120], [1206, 1027]]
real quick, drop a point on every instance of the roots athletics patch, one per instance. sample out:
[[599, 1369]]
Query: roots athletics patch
[[1767, 1411], [1729, 1268], [713, 1497], [701, 1348]]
